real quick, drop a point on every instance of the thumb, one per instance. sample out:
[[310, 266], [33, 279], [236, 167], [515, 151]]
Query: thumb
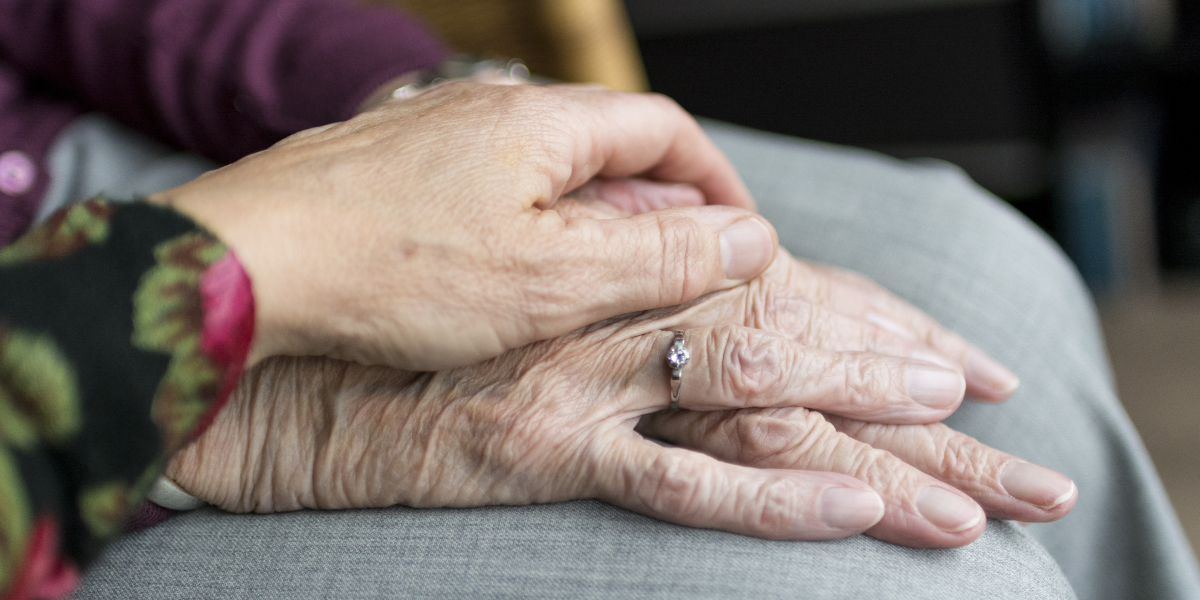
[[668, 257]]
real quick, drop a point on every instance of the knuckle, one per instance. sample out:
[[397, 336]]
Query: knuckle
[[961, 457], [685, 268], [888, 475], [827, 447], [676, 487], [885, 472], [876, 338], [774, 437], [751, 366], [831, 450], [777, 506], [772, 309], [520, 96], [867, 383], [854, 429], [882, 471], [665, 102]]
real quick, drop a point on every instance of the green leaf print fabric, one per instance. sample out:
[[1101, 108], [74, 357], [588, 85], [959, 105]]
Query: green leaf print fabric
[[122, 330]]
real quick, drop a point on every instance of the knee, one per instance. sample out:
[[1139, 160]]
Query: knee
[[985, 244], [963, 221]]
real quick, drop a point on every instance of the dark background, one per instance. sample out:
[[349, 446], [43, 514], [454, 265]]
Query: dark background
[[983, 84], [1099, 146]]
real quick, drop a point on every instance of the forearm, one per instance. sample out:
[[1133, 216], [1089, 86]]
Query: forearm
[[122, 331]]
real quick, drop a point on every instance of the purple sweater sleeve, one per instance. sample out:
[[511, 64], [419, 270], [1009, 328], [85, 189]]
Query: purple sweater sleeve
[[28, 127], [223, 78]]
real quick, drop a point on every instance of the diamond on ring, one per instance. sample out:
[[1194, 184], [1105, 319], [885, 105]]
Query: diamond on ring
[[677, 357]]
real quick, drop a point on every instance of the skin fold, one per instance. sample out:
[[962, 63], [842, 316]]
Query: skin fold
[[798, 421]]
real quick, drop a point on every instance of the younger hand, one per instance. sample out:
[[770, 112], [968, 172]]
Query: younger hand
[[422, 235]]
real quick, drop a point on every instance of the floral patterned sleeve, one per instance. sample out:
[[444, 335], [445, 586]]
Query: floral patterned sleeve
[[123, 329]]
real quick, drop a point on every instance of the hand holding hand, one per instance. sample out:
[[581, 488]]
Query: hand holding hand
[[419, 234], [841, 303], [555, 421]]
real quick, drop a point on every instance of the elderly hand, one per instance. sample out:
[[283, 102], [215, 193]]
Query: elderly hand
[[818, 299], [419, 235], [555, 421]]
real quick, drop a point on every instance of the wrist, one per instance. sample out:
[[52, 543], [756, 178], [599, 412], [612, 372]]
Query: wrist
[[261, 453], [459, 67], [228, 294]]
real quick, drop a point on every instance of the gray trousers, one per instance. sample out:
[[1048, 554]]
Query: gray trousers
[[921, 229]]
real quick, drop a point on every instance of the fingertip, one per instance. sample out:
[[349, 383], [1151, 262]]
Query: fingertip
[[747, 242], [658, 139], [989, 379], [747, 248], [852, 509], [934, 387], [949, 511], [1037, 485]]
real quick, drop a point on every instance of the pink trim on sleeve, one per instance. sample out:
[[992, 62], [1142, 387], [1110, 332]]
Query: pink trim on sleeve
[[45, 574], [227, 298]]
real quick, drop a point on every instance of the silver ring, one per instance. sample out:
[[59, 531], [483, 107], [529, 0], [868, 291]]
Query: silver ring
[[677, 357]]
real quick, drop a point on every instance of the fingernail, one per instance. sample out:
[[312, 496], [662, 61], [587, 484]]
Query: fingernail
[[1036, 485], [850, 508], [992, 374], [934, 387], [948, 511], [746, 248]]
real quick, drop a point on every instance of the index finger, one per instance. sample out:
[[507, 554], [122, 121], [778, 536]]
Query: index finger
[[620, 134]]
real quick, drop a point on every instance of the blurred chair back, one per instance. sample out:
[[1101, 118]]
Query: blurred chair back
[[584, 41]]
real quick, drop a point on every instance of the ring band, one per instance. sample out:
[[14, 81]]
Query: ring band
[[677, 358]]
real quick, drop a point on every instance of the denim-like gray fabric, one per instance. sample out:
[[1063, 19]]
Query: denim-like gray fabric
[[574, 550], [925, 232]]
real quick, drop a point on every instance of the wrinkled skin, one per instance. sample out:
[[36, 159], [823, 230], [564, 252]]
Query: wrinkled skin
[[569, 418], [420, 234]]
